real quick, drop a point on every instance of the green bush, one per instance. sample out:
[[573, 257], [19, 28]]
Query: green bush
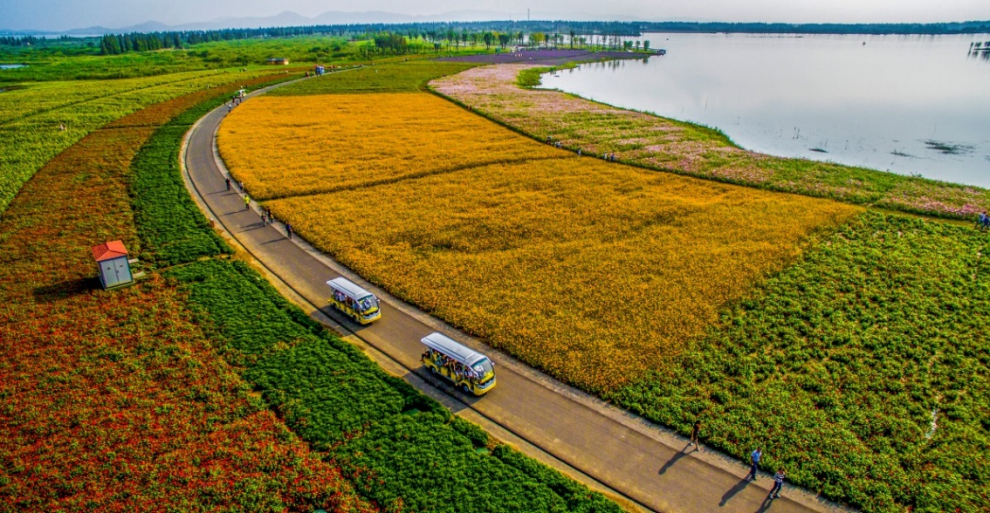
[[382, 78], [169, 223]]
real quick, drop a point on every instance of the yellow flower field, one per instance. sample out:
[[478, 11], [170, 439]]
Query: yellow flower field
[[288, 146], [591, 271]]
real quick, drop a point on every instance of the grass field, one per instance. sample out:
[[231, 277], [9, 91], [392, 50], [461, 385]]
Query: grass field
[[30, 118], [333, 142], [119, 401], [833, 356], [547, 255], [658, 143], [837, 365], [593, 272], [175, 393], [387, 77]]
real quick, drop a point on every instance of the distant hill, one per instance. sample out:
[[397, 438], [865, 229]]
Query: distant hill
[[292, 19], [542, 21]]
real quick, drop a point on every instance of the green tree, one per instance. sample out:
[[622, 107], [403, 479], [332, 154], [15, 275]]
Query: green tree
[[537, 38]]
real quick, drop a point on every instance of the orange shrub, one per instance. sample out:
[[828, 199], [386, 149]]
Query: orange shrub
[[594, 272], [287, 146]]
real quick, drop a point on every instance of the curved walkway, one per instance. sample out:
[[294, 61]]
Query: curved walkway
[[640, 464]]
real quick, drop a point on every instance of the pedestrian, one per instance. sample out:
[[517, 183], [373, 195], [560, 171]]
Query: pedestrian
[[227, 180], [579, 152], [247, 202], [695, 431], [985, 221], [240, 185], [778, 483], [754, 458], [288, 230]]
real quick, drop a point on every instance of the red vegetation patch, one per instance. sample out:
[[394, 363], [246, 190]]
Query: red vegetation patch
[[115, 400]]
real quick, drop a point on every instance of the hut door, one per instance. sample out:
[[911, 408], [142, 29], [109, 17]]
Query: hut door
[[122, 271], [109, 273]]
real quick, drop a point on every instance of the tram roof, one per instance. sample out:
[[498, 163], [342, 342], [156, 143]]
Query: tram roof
[[452, 348], [348, 287]]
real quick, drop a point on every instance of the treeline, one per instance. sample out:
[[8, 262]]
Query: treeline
[[394, 37], [31, 40], [115, 44], [18, 41]]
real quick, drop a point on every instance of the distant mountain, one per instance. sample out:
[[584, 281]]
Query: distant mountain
[[292, 19]]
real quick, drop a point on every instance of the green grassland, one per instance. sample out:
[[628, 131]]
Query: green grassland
[[32, 117], [836, 365], [380, 78]]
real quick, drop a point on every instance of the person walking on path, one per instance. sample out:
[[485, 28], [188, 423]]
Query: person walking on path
[[247, 202], [227, 181], [754, 458], [778, 483], [984, 221], [288, 230], [695, 431]]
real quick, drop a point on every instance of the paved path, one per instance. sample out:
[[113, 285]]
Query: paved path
[[608, 448]]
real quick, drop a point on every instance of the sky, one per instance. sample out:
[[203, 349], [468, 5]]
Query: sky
[[69, 14]]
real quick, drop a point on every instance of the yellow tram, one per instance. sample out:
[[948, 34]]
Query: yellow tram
[[466, 368], [353, 301]]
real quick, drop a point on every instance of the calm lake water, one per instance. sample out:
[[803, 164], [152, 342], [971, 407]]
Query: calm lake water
[[905, 104]]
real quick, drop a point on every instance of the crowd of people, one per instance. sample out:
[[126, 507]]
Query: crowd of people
[[983, 222], [456, 370]]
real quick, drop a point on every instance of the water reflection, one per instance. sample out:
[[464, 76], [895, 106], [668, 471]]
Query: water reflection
[[980, 50], [907, 104]]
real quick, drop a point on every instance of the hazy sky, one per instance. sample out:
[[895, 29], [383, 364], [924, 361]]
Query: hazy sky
[[66, 14]]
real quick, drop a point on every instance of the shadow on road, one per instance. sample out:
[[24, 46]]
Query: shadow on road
[[767, 502], [740, 486], [670, 463]]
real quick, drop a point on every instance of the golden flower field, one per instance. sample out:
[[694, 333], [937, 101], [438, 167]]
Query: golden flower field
[[594, 272], [287, 146]]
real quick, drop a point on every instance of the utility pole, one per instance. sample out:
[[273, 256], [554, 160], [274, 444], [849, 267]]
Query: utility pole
[[527, 14]]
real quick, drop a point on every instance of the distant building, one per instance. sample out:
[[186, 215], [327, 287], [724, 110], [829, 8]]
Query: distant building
[[278, 61]]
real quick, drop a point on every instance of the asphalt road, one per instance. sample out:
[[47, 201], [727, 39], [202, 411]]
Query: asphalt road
[[626, 455]]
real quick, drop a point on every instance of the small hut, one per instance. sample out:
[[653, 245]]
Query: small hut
[[114, 268], [278, 61]]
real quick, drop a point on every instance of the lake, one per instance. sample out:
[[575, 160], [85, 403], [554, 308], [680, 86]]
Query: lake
[[907, 104]]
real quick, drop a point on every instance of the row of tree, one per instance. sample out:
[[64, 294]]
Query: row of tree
[[18, 41], [395, 38]]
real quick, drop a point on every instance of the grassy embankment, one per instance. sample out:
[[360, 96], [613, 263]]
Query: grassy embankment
[[652, 142], [834, 364]]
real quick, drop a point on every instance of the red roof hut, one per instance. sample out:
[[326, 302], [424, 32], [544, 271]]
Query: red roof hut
[[111, 260]]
